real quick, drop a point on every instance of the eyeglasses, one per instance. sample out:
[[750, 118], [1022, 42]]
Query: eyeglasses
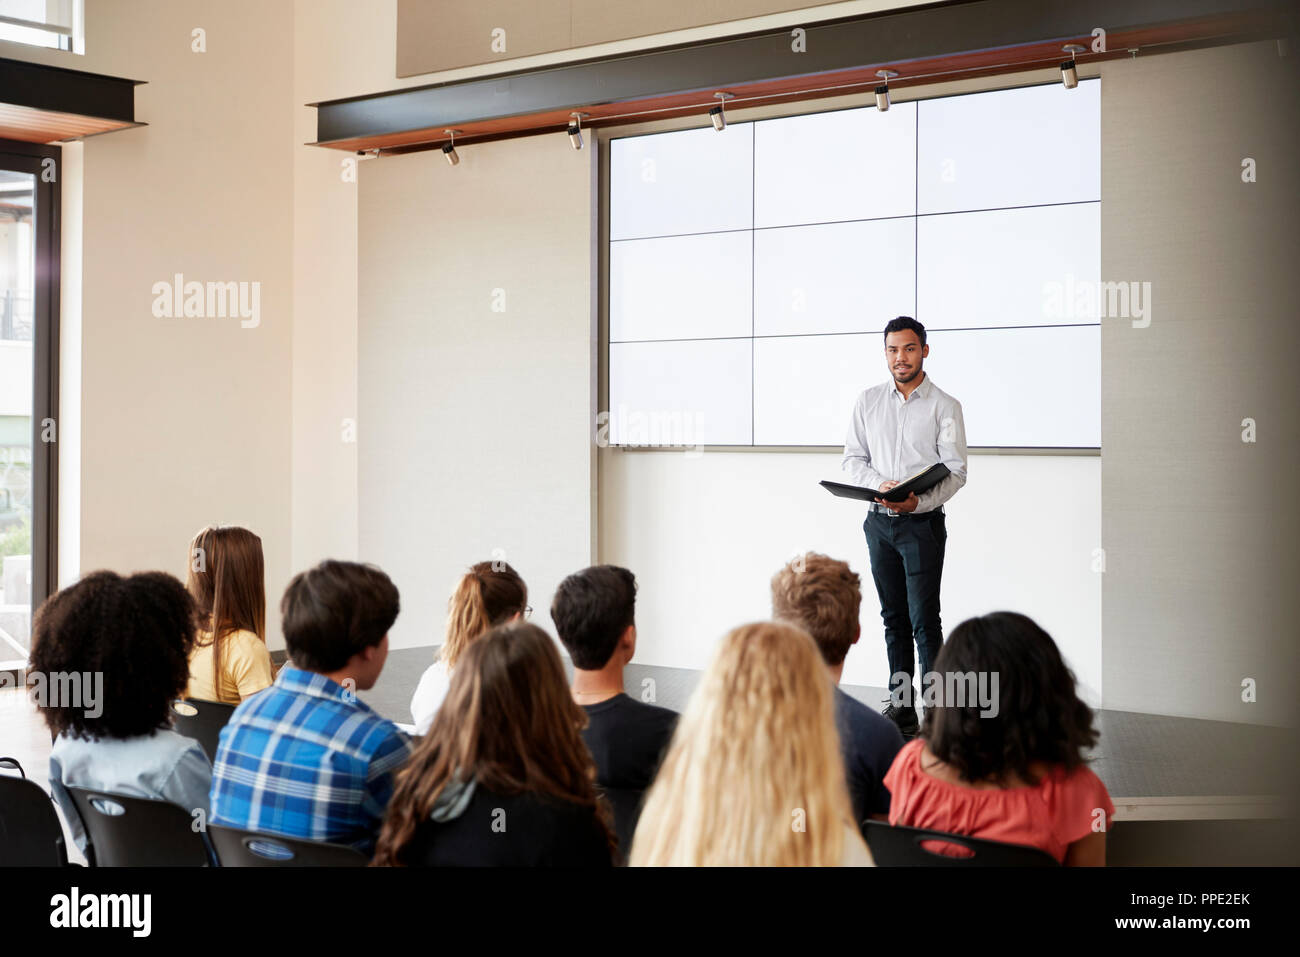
[[528, 611]]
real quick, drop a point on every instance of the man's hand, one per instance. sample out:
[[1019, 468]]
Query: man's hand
[[886, 486], [906, 505]]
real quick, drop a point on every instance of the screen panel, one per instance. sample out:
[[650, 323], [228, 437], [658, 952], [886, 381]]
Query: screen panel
[[1024, 147], [681, 287], [1007, 267], [686, 392], [692, 181], [836, 166], [842, 277], [983, 222]]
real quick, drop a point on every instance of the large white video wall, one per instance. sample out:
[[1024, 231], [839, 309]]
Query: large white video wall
[[752, 271]]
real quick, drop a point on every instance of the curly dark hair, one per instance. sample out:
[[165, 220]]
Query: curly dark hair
[[134, 634], [1040, 716]]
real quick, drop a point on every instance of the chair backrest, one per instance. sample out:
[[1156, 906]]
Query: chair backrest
[[906, 847], [30, 833], [138, 832], [202, 721], [238, 848]]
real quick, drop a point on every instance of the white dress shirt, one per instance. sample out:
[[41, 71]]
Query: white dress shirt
[[892, 438]]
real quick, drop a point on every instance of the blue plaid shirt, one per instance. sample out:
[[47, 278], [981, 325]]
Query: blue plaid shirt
[[305, 758]]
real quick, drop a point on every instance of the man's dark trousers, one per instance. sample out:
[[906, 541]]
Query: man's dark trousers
[[907, 563]]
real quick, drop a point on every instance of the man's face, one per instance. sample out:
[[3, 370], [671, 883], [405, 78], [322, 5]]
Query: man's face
[[904, 355]]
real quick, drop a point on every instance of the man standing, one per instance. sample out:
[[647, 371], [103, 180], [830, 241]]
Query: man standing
[[900, 428]]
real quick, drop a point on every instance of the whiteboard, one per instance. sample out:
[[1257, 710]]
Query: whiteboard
[[752, 271]]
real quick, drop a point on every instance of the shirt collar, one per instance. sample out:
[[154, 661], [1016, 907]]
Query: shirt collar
[[318, 686]]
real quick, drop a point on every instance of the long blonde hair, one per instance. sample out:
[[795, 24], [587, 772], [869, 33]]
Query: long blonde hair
[[489, 594], [754, 775]]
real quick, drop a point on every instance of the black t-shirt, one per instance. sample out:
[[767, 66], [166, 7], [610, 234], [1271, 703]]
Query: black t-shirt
[[870, 742], [520, 830], [627, 738]]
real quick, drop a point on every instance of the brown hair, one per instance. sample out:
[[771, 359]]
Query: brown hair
[[822, 596], [488, 594], [227, 580], [334, 611], [508, 722]]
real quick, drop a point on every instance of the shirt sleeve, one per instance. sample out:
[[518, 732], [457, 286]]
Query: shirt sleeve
[[381, 776], [250, 666], [951, 447], [190, 783], [857, 452], [64, 800]]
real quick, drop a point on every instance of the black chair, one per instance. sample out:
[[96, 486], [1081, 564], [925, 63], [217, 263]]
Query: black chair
[[905, 847], [30, 833], [236, 848], [202, 721], [138, 832]]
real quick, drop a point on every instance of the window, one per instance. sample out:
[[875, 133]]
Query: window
[[28, 353], [58, 24]]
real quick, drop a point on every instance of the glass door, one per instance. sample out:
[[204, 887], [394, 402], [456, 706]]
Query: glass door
[[28, 355]]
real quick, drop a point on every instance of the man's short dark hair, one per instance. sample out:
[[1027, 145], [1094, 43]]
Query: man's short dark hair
[[591, 610], [334, 611], [903, 323]]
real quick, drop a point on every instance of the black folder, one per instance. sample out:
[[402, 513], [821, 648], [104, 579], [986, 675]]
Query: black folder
[[921, 482]]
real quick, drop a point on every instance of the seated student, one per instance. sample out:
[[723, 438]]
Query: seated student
[[489, 594], [754, 776], [127, 641], [593, 611], [1017, 775], [502, 778], [822, 596], [306, 758], [230, 660]]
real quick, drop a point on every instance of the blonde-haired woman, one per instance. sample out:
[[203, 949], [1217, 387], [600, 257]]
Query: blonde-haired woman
[[754, 775], [489, 594]]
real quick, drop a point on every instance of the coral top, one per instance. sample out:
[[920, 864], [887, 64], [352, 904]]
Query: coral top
[[1063, 807]]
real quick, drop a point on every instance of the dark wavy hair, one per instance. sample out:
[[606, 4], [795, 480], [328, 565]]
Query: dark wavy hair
[[591, 610], [1040, 716], [137, 632]]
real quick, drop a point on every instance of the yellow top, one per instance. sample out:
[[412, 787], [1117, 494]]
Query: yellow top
[[245, 668]]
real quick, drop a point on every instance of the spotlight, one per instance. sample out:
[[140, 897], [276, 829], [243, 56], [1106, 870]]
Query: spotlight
[[449, 150], [575, 130], [882, 91], [1069, 69], [717, 115]]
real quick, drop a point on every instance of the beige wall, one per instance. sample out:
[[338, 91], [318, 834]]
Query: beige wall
[[183, 421], [1199, 528], [476, 361], [439, 35]]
